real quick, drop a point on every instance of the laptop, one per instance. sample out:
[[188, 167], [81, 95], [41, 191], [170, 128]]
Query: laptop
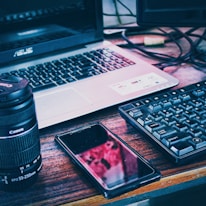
[[50, 34]]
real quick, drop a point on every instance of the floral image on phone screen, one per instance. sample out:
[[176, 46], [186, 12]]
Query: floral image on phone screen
[[112, 163]]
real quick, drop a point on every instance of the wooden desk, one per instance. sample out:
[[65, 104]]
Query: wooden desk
[[60, 182]]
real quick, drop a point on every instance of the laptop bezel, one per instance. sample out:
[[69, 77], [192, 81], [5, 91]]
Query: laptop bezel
[[8, 57]]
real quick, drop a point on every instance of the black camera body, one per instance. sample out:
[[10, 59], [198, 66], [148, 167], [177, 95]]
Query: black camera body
[[20, 153]]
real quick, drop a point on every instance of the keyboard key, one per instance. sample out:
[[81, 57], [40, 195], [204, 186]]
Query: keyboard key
[[164, 132], [181, 127], [42, 87], [182, 148], [168, 121], [152, 126], [185, 97], [200, 119], [175, 138], [166, 103], [135, 113], [155, 107], [198, 142], [198, 92], [144, 120], [179, 118]]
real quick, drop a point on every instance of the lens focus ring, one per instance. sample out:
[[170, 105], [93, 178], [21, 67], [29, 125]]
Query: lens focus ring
[[20, 142], [22, 155]]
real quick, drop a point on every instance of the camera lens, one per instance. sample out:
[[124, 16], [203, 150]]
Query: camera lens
[[20, 156]]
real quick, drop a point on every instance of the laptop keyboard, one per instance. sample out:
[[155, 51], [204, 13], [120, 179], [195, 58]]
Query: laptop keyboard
[[174, 120], [72, 68]]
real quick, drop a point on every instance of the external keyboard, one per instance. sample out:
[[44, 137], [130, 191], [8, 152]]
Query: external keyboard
[[175, 120]]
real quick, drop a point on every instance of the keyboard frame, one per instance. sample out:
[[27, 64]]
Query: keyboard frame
[[179, 160]]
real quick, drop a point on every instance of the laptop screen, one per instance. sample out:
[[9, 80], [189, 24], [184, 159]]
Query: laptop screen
[[34, 27]]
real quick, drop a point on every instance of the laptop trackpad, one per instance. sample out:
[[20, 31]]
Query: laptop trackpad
[[53, 105]]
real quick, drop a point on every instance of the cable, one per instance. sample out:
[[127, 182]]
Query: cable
[[127, 8], [172, 37], [118, 14], [165, 60], [199, 56]]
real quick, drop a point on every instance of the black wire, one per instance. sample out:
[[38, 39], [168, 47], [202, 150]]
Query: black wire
[[190, 41], [106, 14], [117, 14], [191, 56], [136, 46], [127, 8], [164, 58], [116, 11], [199, 57], [172, 37]]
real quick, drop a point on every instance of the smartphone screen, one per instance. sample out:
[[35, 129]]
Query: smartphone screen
[[107, 159]]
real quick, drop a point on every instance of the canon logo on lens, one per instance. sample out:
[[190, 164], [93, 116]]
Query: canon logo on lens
[[16, 131], [20, 156]]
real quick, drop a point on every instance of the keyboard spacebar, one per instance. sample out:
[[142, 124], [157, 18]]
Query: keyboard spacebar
[[42, 87]]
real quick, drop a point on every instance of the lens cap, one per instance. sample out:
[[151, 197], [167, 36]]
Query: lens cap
[[13, 89]]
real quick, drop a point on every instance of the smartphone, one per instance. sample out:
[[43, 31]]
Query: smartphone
[[109, 162]]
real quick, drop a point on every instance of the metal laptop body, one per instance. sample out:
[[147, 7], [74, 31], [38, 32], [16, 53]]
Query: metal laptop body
[[55, 40]]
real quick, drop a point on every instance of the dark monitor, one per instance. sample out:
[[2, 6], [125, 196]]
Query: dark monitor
[[178, 13]]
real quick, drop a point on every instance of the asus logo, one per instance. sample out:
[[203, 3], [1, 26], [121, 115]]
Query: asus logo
[[22, 52]]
